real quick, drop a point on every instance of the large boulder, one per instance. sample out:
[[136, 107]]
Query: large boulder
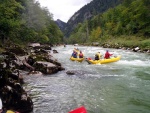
[[46, 67], [34, 45], [95, 44]]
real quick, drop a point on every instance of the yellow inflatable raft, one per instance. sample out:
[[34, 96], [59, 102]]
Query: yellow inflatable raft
[[104, 61], [76, 59]]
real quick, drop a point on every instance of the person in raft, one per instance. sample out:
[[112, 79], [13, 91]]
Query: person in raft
[[81, 54], [107, 55], [74, 54], [98, 56]]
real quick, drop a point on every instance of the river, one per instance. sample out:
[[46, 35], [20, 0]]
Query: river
[[119, 87]]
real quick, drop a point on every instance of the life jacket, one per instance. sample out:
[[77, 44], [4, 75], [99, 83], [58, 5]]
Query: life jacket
[[80, 55], [74, 54], [97, 56], [107, 55]]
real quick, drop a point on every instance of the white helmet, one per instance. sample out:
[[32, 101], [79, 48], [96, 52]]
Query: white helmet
[[0, 103]]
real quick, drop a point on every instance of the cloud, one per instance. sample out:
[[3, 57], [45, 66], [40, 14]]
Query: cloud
[[63, 9]]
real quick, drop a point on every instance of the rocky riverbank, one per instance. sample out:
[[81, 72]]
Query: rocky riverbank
[[120, 46], [34, 59]]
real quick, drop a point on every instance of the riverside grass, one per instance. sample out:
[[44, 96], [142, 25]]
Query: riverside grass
[[129, 41], [124, 41]]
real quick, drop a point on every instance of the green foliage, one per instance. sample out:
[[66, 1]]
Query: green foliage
[[133, 17], [79, 35], [95, 34], [25, 21], [90, 10], [145, 44], [129, 41], [130, 21], [9, 17]]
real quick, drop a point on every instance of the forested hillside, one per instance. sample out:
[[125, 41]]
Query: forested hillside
[[26, 21], [128, 24], [88, 11]]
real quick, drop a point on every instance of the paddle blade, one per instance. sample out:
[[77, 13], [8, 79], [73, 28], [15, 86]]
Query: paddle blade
[[79, 110]]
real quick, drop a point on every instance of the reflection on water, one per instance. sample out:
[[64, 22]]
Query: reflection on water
[[120, 87]]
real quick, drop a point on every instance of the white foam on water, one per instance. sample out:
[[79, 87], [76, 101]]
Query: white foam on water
[[134, 63], [100, 76], [68, 52]]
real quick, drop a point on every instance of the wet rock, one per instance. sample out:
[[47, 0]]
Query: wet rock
[[18, 64], [46, 67], [38, 46], [11, 93], [37, 73], [17, 50], [55, 51], [41, 51], [48, 64], [10, 55], [136, 49], [25, 104], [95, 43], [40, 62], [46, 47], [61, 68], [75, 44], [78, 73], [34, 44], [31, 60], [124, 48], [70, 72], [54, 61]]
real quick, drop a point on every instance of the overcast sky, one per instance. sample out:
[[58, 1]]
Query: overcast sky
[[63, 9]]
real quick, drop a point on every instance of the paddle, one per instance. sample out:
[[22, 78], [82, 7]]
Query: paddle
[[79, 110]]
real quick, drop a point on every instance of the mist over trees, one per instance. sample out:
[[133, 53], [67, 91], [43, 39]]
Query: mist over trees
[[26, 21]]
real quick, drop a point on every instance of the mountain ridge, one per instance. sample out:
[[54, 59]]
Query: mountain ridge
[[89, 10], [62, 25]]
